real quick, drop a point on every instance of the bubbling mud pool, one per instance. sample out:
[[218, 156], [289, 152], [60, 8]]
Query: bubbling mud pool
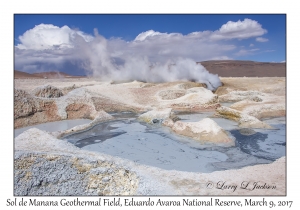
[[158, 146], [155, 145]]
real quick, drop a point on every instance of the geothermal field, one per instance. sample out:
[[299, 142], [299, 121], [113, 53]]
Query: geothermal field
[[179, 131]]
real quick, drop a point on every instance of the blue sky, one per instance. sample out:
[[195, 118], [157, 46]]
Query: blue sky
[[157, 37]]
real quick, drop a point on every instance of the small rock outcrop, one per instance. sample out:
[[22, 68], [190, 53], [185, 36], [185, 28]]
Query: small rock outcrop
[[47, 91], [100, 117], [158, 116], [235, 96], [171, 94], [44, 165], [192, 99], [188, 85], [205, 131], [24, 104], [30, 110], [244, 120]]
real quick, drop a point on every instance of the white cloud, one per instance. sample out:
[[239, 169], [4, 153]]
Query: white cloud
[[47, 47], [223, 57], [239, 30], [251, 45], [154, 34], [244, 52], [261, 39], [48, 36]]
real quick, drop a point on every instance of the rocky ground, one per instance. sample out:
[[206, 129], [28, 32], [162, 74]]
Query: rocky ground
[[45, 165]]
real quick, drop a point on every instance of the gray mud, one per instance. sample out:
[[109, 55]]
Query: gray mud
[[158, 146]]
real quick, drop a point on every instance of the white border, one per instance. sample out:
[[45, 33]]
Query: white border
[[8, 8]]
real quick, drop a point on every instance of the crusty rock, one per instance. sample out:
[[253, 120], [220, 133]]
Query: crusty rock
[[247, 131], [188, 85], [171, 94], [100, 117], [168, 122], [44, 165], [158, 115], [24, 104], [206, 131], [244, 120], [196, 98], [271, 107], [29, 110], [47, 91], [235, 96]]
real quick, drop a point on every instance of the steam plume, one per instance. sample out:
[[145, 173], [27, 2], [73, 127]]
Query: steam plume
[[99, 62]]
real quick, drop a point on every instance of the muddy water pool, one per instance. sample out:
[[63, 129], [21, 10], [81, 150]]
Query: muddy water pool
[[154, 145]]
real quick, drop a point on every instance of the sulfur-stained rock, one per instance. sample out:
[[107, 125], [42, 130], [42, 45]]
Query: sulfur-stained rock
[[188, 85], [44, 165], [158, 116], [30, 110], [100, 117], [168, 122], [206, 131], [256, 103], [271, 107], [244, 120], [196, 98], [235, 96], [47, 91]]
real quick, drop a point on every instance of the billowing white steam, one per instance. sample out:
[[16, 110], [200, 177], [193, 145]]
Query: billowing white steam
[[99, 62]]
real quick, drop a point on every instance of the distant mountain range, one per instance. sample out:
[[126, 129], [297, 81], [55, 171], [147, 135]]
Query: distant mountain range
[[45, 75], [224, 68], [237, 68]]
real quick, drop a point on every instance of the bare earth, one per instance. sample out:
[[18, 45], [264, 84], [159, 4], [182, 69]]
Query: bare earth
[[39, 99], [228, 68]]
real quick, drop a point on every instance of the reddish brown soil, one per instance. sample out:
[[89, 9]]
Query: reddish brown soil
[[45, 75], [231, 68], [224, 68]]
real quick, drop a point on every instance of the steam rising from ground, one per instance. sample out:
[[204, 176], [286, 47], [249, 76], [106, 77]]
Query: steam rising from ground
[[98, 62], [152, 56]]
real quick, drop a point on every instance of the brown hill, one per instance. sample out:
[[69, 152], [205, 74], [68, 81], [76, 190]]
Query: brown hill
[[234, 68], [224, 68], [45, 75], [52, 74], [24, 75]]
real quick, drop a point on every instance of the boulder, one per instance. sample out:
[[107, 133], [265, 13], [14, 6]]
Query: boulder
[[205, 131]]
